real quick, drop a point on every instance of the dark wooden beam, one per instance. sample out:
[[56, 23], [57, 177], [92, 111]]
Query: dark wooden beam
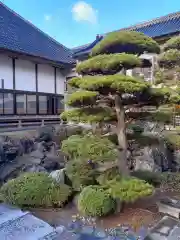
[[55, 80], [37, 97], [36, 76], [14, 74]]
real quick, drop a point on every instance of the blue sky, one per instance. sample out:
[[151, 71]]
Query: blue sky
[[75, 23]]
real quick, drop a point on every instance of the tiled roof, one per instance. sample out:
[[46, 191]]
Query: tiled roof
[[19, 35], [158, 27], [85, 48]]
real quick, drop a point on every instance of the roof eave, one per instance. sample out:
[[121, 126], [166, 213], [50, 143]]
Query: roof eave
[[38, 57]]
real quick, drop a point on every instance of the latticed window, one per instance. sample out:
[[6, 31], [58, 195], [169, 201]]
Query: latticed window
[[145, 73]]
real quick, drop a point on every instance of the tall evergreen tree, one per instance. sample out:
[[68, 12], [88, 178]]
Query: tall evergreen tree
[[104, 93]]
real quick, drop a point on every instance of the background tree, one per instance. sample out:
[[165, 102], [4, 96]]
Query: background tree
[[169, 63], [103, 93]]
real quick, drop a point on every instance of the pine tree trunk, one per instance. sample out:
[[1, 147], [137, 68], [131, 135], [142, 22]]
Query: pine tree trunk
[[121, 134]]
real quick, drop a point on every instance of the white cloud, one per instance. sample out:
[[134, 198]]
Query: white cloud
[[83, 11], [47, 17]]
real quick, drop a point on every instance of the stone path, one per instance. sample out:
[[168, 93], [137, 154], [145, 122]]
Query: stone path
[[18, 225]]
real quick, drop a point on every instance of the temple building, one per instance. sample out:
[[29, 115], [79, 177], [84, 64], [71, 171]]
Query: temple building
[[34, 68]]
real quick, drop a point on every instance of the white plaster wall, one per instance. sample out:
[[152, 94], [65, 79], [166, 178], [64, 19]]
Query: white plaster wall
[[6, 71], [60, 82], [45, 78], [25, 75]]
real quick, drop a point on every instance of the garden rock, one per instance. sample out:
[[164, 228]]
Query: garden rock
[[177, 160], [58, 175], [27, 144], [37, 154], [45, 134], [153, 158], [34, 168], [144, 160], [50, 164]]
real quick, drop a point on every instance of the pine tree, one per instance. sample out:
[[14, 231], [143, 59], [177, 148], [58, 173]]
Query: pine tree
[[169, 62], [105, 94]]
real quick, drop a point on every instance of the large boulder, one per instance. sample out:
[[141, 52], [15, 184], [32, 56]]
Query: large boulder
[[144, 160], [37, 154], [52, 163], [153, 158]]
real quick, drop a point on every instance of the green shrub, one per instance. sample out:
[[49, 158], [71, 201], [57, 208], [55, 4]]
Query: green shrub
[[159, 77], [173, 140], [169, 59], [80, 173], [94, 201], [173, 43], [170, 182], [129, 190], [90, 147], [152, 178], [35, 190]]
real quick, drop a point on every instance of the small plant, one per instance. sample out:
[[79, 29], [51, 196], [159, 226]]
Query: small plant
[[94, 201], [129, 190], [35, 190]]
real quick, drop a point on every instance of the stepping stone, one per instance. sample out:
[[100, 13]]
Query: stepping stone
[[26, 227], [167, 228], [170, 206], [54, 235], [9, 213]]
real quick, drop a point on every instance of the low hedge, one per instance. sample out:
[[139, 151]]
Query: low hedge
[[35, 190], [95, 202]]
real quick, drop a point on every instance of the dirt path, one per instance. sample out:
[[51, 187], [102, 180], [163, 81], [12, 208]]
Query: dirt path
[[142, 213]]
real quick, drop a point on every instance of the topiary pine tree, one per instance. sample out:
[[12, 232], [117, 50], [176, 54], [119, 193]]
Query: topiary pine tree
[[103, 93]]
